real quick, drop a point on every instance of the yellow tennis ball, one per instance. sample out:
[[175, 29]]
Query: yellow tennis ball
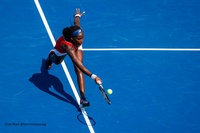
[[109, 91]]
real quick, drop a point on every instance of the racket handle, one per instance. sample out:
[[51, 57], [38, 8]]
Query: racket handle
[[100, 85]]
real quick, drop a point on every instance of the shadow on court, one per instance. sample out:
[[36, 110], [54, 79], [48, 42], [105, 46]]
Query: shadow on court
[[44, 81], [81, 119]]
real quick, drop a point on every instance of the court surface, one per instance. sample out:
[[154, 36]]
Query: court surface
[[147, 52]]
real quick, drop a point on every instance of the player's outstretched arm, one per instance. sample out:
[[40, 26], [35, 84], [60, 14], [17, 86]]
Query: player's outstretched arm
[[77, 17]]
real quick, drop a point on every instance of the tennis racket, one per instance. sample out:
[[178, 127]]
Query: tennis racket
[[104, 94]]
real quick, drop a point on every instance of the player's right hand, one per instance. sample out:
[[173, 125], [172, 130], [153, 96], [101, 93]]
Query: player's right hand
[[98, 80]]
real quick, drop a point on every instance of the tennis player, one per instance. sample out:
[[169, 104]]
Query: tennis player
[[70, 43]]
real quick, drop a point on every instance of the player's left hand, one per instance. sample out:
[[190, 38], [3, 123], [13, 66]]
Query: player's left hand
[[78, 12]]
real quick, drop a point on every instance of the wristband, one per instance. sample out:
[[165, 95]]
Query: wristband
[[93, 76], [77, 15]]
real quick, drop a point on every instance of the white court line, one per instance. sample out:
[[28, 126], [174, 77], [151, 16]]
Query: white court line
[[141, 49], [64, 66]]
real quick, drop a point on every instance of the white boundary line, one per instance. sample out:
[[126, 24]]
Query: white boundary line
[[141, 49], [64, 66]]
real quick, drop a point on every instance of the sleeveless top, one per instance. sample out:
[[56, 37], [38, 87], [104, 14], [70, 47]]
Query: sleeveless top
[[61, 41]]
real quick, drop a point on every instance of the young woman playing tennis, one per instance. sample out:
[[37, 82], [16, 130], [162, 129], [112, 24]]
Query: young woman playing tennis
[[70, 43]]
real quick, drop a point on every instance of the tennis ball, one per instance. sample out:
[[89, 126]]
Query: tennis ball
[[109, 91]]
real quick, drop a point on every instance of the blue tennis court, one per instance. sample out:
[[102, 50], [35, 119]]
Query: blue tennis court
[[147, 52]]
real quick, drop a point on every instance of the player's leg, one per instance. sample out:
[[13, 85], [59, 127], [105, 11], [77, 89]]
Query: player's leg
[[53, 58], [80, 79], [49, 61]]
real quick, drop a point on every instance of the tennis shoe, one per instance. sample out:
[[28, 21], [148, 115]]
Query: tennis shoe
[[84, 103]]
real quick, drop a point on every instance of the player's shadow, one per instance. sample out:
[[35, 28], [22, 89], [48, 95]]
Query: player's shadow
[[44, 81]]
